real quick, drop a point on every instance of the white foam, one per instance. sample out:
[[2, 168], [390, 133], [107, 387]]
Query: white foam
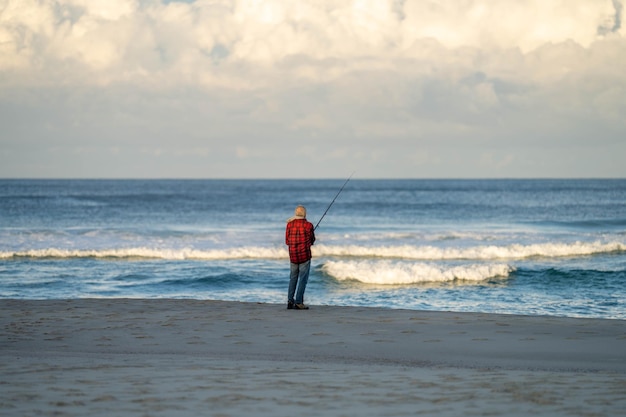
[[490, 252], [393, 273], [483, 252], [171, 254]]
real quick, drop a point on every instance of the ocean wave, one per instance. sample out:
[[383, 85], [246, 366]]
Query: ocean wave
[[483, 252], [150, 253], [396, 273], [425, 253]]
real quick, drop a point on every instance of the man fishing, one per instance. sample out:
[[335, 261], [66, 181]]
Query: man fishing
[[299, 236]]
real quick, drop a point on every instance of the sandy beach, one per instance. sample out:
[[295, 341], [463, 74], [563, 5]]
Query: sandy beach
[[132, 357]]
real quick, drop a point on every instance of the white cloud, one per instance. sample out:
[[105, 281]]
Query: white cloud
[[188, 39]]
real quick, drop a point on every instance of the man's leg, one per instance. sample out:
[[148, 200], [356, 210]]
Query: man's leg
[[302, 281], [293, 281]]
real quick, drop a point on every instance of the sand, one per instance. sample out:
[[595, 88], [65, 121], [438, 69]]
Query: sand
[[128, 357]]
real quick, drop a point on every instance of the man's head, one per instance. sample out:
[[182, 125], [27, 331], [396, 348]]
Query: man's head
[[300, 212]]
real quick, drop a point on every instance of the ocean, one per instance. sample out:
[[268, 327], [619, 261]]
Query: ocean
[[534, 247]]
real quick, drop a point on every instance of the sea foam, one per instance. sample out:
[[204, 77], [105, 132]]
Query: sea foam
[[388, 272], [151, 253], [482, 252]]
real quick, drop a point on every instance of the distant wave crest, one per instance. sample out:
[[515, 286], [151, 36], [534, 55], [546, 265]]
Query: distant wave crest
[[172, 254], [487, 252], [425, 253]]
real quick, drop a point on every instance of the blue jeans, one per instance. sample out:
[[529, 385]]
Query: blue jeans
[[299, 277]]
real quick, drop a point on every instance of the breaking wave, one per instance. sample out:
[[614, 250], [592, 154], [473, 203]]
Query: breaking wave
[[426, 253], [483, 252], [390, 273], [137, 253]]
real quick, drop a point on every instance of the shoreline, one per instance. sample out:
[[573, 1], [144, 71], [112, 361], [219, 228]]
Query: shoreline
[[183, 357]]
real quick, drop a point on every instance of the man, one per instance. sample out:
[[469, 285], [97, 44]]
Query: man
[[299, 236]]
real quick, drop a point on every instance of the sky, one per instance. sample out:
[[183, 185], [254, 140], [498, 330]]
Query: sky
[[312, 88]]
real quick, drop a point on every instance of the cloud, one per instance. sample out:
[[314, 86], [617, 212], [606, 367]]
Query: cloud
[[612, 24], [359, 80], [146, 40]]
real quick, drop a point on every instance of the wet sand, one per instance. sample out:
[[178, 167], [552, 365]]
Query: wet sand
[[130, 357]]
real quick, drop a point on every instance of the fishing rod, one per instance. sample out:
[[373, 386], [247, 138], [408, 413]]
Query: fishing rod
[[331, 203]]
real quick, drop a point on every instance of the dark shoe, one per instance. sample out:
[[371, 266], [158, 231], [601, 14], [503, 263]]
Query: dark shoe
[[289, 305], [300, 307]]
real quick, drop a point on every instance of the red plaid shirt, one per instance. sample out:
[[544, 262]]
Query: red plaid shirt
[[299, 236]]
